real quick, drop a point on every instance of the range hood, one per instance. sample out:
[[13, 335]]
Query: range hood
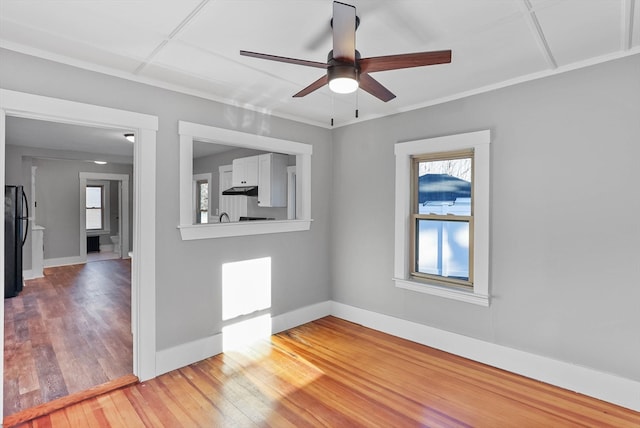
[[242, 190]]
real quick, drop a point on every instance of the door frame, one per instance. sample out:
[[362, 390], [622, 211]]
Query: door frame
[[143, 292], [123, 209]]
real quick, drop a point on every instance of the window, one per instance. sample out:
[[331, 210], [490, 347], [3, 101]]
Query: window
[[189, 229], [442, 216], [95, 207], [202, 201]]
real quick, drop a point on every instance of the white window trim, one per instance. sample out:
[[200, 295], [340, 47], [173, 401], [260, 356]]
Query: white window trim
[[202, 133], [196, 178], [480, 142], [106, 207]]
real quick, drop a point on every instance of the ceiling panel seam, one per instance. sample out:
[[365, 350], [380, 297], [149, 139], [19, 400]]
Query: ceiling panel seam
[[30, 50], [181, 26], [538, 34]]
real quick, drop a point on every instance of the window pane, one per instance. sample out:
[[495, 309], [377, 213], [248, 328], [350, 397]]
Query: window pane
[[94, 197], [202, 201], [204, 196], [94, 219], [442, 248], [444, 186]]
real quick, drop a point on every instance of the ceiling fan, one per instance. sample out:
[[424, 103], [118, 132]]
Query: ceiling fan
[[346, 71]]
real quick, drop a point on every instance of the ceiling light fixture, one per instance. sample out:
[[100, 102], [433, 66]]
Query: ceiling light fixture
[[100, 162], [343, 79], [130, 137]]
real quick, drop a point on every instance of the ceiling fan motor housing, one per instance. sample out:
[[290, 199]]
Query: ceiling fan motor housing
[[343, 69]]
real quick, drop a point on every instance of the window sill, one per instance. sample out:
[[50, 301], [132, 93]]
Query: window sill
[[94, 232], [225, 230], [443, 291]]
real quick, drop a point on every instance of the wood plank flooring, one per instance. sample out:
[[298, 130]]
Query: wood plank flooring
[[67, 332], [332, 373]]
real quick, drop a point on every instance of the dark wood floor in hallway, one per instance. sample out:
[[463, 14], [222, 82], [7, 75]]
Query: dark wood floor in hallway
[[67, 332]]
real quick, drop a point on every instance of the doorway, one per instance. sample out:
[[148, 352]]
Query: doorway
[[110, 184], [69, 329], [25, 105]]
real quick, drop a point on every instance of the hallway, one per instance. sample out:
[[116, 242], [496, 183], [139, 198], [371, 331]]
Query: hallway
[[67, 332]]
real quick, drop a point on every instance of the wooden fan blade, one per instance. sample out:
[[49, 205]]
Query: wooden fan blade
[[396, 62], [284, 59], [344, 32], [312, 87], [375, 88]]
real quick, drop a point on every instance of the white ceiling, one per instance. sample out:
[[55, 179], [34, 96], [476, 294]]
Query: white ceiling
[[193, 46], [109, 144]]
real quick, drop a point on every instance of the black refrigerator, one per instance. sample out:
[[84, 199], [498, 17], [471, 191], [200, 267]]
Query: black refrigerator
[[16, 226]]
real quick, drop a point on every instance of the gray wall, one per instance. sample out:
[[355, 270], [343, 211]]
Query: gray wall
[[188, 273], [58, 199], [57, 195], [565, 258], [564, 203]]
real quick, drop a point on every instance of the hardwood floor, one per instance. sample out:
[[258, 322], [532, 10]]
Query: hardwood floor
[[333, 373], [101, 255], [67, 332]]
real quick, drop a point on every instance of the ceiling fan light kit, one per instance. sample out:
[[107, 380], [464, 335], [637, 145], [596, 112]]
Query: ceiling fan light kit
[[345, 70], [342, 79]]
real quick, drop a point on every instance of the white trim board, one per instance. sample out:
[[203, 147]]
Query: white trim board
[[28, 274], [64, 261], [603, 386], [197, 350], [190, 132], [143, 296]]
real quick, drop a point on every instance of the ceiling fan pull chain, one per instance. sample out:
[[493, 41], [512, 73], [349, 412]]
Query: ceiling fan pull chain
[[333, 107], [357, 104]]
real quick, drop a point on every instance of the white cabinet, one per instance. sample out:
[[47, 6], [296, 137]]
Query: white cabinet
[[272, 180], [245, 171], [235, 206]]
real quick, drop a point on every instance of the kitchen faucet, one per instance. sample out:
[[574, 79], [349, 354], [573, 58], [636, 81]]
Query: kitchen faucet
[[222, 216]]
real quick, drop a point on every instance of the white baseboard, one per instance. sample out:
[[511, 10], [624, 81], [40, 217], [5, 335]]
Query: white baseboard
[[603, 386], [187, 353], [191, 352], [64, 261], [31, 274], [300, 316]]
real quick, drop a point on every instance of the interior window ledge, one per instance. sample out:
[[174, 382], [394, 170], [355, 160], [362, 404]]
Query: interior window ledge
[[93, 232], [225, 230], [443, 291]]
